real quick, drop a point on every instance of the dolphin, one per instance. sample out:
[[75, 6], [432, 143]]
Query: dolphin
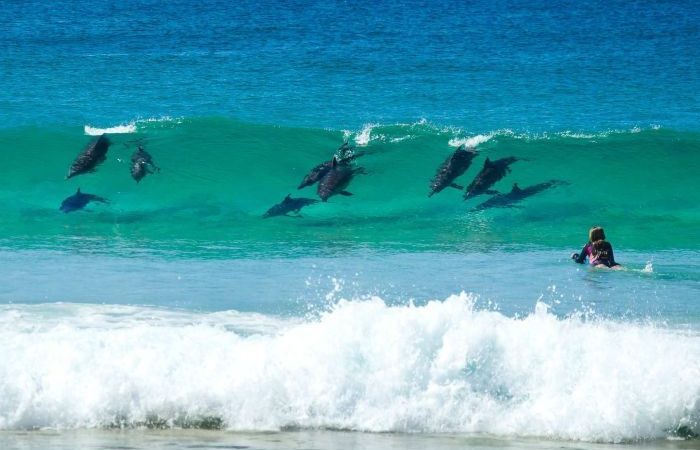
[[336, 180], [92, 156], [142, 164], [344, 155], [517, 194], [454, 166], [491, 173], [288, 205], [79, 201]]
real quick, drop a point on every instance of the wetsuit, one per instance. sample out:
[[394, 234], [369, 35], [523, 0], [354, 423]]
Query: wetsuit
[[602, 255]]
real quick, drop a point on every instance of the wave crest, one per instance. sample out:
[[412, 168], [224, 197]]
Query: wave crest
[[443, 367]]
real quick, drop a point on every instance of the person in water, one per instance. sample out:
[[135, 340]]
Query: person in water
[[598, 251]]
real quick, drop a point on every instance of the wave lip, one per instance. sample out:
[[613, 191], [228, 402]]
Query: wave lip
[[443, 367], [132, 126], [117, 129], [472, 141]]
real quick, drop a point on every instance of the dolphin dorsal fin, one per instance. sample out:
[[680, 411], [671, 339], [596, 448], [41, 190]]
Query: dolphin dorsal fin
[[516, 188], [78, 191], [288, 197], [334, 163], [488, 163]]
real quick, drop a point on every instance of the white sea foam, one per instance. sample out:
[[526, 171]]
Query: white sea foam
[[117, 129], [396, 140], [574, 135], [371, 132], [131, 127], [365, 135], [443, 367], [471, 142]]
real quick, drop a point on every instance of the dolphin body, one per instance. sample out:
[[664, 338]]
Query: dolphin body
[[454, 166], [92, 156], [336, 180], [289, 205], [517, 194], [79, 201], [490, 174], [344, 155], [142, 164]]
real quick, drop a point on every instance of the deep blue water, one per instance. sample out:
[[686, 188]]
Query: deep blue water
[[481, 65]]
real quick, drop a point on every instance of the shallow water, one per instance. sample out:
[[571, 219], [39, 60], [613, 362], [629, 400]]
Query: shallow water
[[195, 439]]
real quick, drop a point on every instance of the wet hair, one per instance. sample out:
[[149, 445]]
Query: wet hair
[[596, 234], [600, 245]]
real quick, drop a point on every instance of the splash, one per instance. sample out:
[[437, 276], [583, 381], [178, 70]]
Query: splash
[[443, 367]]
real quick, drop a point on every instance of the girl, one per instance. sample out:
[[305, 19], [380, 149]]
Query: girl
[[598, 250]]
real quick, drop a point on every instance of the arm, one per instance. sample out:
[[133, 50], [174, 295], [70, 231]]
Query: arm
[[580, 258], [612, 257]]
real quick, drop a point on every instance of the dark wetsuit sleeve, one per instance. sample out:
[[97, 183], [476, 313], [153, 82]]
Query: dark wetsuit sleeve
[[612, 258], [582, 256]]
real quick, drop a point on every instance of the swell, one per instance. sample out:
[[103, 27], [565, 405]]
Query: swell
[[219, 176]]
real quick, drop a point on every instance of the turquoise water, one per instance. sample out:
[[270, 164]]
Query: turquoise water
[[176, 315], [219, 176]]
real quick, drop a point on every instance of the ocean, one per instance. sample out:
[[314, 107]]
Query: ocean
[[173, 314]]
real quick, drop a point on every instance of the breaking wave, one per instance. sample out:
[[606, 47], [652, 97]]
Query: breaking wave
[[443, 367]]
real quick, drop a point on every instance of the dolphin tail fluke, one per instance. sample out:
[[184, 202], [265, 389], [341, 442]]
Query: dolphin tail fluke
[[345, 193], [456, 186], [97, 198]]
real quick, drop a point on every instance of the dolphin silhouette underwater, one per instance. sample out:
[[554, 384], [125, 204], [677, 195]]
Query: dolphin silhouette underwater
[[289, 205], [336, 180], [490, 174], [517, 194], [79, 200], [344, 155], [92, 156], [454, 166], [142, 164]]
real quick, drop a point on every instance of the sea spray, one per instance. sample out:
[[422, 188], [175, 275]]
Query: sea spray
[[447, 366]]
